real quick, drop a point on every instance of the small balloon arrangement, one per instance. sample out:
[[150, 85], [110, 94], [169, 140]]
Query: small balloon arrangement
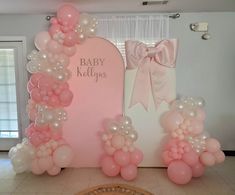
[[44, 149], [121, 156], [189, 149]]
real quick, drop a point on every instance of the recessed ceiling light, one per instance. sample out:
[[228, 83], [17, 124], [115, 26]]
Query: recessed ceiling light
[[155, 2]]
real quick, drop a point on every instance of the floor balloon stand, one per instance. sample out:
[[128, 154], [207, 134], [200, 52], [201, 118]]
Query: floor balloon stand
[[189, 148]]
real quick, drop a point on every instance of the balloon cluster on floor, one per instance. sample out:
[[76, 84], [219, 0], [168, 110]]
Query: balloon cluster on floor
[[43, 149], [189, 148], [121, 156]]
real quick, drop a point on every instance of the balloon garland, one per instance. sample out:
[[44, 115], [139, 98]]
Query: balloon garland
[[43, 149], [189, 149], [121, 156]]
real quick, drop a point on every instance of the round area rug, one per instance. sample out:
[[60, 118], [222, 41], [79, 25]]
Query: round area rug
[[114, 189]]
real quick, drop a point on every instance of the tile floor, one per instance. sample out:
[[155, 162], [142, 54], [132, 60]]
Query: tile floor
[[218, 180]]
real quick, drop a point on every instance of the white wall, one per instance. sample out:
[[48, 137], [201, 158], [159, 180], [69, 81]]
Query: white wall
[[204, 68]]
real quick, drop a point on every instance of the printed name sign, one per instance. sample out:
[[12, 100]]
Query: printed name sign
[[97, 83]]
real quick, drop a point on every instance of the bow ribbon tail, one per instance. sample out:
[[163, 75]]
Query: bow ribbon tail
[[142, 86], [160, 85]]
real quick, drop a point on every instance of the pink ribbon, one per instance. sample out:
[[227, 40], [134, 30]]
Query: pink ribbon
[[153, 64]]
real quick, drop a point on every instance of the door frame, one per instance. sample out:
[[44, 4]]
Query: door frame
[[21, 90]]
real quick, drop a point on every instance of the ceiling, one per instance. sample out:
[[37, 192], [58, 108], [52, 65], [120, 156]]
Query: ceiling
[[50, 6]]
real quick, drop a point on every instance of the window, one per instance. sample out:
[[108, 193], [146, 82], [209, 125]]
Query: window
[[8, 104], [13, 92]]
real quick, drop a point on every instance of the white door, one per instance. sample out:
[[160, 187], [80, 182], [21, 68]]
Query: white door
[[13, 95]]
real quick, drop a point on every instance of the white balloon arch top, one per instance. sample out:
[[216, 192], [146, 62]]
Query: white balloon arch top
[[44, 149]]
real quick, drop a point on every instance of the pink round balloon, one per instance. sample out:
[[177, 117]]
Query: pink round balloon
[[35, 78], [70, 39], [200, 114], [166, 158], [63, 156], [207, 159], [179, 172], [55, 28], [54, 170], [136, 156], [129, 172], [122, 158], [54, 47], [69, 51], [212, 145], [219, 156], [66, 97], [45, 163], [198, 170], [171, 120], [109, 167], [109, 149], [35, 95], [41, 40], [196, 126], [191, 158], [118, 141], [67, 15], [35, 168]]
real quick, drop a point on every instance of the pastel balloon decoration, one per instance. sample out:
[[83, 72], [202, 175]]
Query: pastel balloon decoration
[[121, 156], [41, 40], [67, 15], [179, 172], [189, 148], [63, 156], [44, 149], [109, 167]]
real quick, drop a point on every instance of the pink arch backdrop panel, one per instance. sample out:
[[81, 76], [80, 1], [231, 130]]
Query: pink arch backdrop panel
[[97, 83]]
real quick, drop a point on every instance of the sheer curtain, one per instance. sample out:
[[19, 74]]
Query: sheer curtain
[[147, 28]]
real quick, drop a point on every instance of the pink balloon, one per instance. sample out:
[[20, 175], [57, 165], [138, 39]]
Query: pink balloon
[[70, 39], [179, 172], [69, 51], [109, 167], [129, 172], [30, 86], [55, 28], [207, 159], [200, 114], [41, 40], [35, 95], [54, 47], [35, 78], [109, 149], [122, 158], [54, 171], [45, 83], [196, 126], [53, 20], [118, 141], [63, 156], [66, 97], [136, 156], [166, 158], [171, 120], [219, 156], [191, 158], [212, 145], [35, 168], [198, 170], [45, 163], [67, 15]]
